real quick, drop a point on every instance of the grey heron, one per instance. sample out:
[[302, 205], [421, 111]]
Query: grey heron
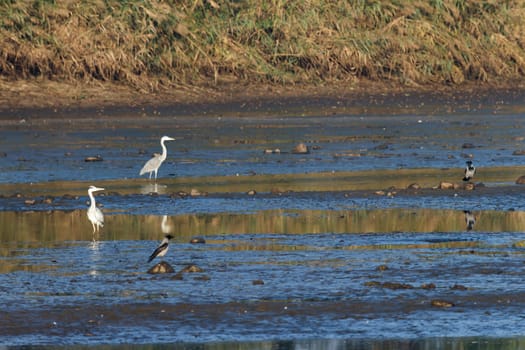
[[94, 214], [154, 163], [470, 170], [162, 249]]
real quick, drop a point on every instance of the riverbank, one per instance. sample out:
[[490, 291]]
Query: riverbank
[[24, 96]]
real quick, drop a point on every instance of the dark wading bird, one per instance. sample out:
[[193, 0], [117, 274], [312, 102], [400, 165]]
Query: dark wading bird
[[162, 249], [153, 165], [94, 214], [470, 219], [470, 170]]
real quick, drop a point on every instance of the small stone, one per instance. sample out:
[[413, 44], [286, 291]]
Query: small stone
[[251, 193], [414, 186], [96, 158], [257, 282], [469, 186], [162, 267], [521, 180], [467, 145], [428, 286], [446, 185], [29, 201], [520, 152], [301, 148], [382, 268], [197, 240], [441, 303], [69, 196]]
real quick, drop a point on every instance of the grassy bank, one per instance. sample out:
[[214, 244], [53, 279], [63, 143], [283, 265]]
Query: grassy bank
[[151, 45]]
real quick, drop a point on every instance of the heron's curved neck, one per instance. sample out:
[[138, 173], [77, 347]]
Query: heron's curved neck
[[164, 150], [91, 199]]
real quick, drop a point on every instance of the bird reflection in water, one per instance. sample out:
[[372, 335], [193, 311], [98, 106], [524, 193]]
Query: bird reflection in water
[[153, 188], [470, 219], [166, 226]]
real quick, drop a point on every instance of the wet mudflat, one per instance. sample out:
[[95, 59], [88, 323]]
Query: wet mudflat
[[325, 249]]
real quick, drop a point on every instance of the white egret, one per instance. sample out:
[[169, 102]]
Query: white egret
[[470, 170], [154, 163], [162, 249], [94, 214]]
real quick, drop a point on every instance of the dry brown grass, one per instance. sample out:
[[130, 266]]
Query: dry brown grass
[[154, 44]]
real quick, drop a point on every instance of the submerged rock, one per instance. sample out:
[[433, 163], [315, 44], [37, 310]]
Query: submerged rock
[[191, 269], [458, 287], [162, 267], [441, 303], [382, 268]]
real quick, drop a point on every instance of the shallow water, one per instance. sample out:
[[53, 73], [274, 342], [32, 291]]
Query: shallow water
[[229, 146], [317, 258]]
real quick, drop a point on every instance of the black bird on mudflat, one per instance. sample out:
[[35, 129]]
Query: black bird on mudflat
[[470, 170], [162, 249]]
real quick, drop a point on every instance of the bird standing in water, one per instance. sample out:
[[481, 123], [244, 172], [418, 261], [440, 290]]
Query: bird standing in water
[[162, 249], [470, 170], [153, 165], [94, 214]]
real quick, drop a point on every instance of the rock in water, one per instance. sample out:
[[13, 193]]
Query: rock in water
[[162, 267], [521, 180], [301, 149]]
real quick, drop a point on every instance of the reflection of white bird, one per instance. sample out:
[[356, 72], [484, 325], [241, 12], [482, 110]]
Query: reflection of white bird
[[162, 249], [470, 170], [154, 163], [470, 219], [165, 226], [94, 214]]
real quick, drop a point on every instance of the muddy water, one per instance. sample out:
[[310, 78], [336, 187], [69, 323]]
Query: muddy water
[[332, 250]]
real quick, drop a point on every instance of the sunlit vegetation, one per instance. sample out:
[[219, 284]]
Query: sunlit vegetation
[[160, 44]]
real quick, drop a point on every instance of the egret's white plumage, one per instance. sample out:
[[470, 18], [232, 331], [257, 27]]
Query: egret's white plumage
[[153, 165], [94, 214], [162, 249]]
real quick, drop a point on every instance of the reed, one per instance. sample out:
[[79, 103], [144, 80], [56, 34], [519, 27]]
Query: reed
[[152, 45]]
